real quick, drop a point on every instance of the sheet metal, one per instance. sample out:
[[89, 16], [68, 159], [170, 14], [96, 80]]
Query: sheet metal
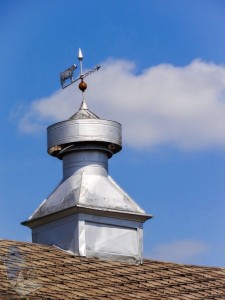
[[88, 213], [88, 190], [84, 130], [87, 235]]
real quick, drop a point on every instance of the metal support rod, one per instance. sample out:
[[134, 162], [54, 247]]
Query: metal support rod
[[80, 57]]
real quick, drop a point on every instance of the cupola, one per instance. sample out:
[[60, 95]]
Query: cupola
[[88, 213]]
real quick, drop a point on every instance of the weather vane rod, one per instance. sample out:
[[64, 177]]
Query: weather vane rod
[[66, 77]]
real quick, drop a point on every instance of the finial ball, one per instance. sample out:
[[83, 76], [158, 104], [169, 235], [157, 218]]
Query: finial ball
[[82, 86]]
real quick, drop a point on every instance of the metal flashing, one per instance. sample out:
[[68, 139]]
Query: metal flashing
[[83, 113], [88, 189], [32, 223]]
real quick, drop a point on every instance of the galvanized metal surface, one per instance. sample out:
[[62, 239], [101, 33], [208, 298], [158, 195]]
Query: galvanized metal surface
[[96, 162], [88, 213], [83, 113], [85, 130], [86, 183], [92, 236], [76, 210]]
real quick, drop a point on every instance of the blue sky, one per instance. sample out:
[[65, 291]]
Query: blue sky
[[162, 77]]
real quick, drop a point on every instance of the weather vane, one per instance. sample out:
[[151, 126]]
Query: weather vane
[[66, 77]]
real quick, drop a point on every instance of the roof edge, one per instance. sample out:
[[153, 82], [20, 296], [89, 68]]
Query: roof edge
[[81, 209]]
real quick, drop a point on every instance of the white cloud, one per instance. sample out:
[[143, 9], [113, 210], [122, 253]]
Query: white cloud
[[179, 106], [181, 251]]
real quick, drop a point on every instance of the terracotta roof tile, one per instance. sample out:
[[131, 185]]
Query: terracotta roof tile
[[46, 272]]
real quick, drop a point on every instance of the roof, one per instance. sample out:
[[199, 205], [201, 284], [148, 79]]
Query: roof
[[86, 190], [33, 271], [84, 114]]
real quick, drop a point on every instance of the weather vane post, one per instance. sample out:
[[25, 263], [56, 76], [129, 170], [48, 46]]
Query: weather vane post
[[66, 77], [80, 57]]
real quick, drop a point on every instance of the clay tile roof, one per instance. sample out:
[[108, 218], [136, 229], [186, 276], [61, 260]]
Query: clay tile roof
[[33, 271]]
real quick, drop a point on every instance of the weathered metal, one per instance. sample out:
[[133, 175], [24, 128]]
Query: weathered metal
[[88, 213], [67, 74], [86, 183], [83, 130]]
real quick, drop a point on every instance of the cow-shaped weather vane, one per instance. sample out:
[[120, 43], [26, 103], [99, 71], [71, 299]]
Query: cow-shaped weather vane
[[66, 77]]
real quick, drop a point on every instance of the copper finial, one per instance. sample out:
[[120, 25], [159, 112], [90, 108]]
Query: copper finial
[[82, 85]]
